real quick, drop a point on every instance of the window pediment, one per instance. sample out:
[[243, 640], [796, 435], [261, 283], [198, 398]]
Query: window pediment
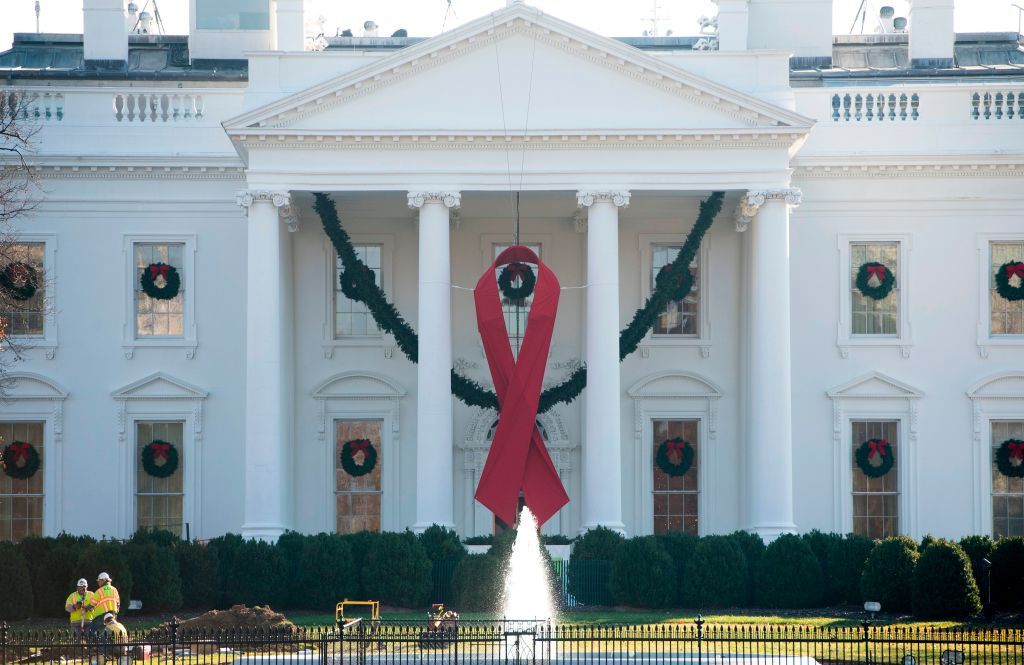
[[27, 385], [159, 386], [1004, 384], [359, 385], [674, 384], [875, 385]]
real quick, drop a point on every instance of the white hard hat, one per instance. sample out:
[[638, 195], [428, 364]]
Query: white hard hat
[[104, 577], [108, 617], [82, 582]]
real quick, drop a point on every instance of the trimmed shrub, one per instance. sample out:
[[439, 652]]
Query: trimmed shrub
[[200, 582], [16, 600], [397, 571], [820, 543], [716, 574], [361, 543], [789, 574], [225, 550], [586, 584], [479, 540], [846, 558], [752, 546], [155, 576], [51, 567], [158, 537], [251, 571], [977, 548], [889, 572], [326, 573], [476, 583], [944, 585], [105, 557], [927, 541], [501, 546], [643, 574], [1008, 573], [442, 544], [680, 546], [291, 544]]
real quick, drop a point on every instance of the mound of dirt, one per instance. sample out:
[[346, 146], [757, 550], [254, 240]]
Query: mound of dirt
[[239, 617]]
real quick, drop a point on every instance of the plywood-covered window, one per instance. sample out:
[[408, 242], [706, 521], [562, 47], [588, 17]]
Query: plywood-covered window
[[357, 498]]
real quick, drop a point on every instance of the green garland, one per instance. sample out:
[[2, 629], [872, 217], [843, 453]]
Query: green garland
[[20, 280], [1003, 457], [863, 457], [167, 451], [361, 287], [20, 450], [1011, 293], [665, 462], [885, 285], [348, 457]]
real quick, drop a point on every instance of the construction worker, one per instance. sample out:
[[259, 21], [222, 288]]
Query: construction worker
[[104, 599], [114, 633], [79, 606]]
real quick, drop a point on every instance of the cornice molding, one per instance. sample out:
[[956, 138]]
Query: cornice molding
[[910, 169], [447, 199], [288, 213], [585, 199], [751, 202], [80, 172]]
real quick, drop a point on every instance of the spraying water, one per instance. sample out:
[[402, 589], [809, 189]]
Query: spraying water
[[527, 593]]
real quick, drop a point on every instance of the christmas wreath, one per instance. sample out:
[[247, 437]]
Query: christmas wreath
[[871, 450], [352, 281], [160, 271], [509, 273], [159, 458], [677, 285], [20, 460], [1004, 274], [348, 457], [886, 280], [674, 456], [20, 280], [1010, 458]]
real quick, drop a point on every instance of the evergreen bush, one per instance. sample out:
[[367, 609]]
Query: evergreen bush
[[158, 537], [716, 574], [105, 557], [1008, 573], [16, 599], [476, 583], [789, 574], [977, 548], [943, 584], [442, 544], [252, 572], [889, 572], [821, 543], [291, 544], [200, 582], [361, 543], [587, 584], [846, 559], [643, 574], [397, 571], [51, 568], [926, 542], [752, 546], [326, 574], [680, 546], [501, 546], [155, 576]]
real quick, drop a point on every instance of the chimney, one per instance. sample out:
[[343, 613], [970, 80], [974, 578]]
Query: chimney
[[931, 33], [105, 33], [291, 25], [802, 27], [733, 17]]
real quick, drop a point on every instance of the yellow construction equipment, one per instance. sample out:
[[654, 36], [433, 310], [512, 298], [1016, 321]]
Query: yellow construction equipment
[[372, 605]]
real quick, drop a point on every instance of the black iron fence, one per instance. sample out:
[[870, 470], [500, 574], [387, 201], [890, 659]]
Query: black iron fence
[[364, 642]]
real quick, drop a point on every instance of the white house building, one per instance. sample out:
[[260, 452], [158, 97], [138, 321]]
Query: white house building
[[902, 148]]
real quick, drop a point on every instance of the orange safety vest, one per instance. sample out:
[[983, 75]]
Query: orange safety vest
[[106, 600], [75, 597]]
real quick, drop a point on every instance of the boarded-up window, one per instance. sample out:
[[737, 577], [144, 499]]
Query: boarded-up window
[[357, 498]]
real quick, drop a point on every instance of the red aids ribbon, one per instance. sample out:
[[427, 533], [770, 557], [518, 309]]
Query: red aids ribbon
[[20, 451], [1016, 450], [1015, 269], [518, 460], [160, 450], [158, 270], [878, 272], [877, 447], [358, 446]]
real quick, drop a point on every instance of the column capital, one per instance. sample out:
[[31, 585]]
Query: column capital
[[448, 199], [587, 198], [288, 213], [751, 202]]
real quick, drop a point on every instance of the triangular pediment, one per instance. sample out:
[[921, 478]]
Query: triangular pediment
[[159, 386], [875, 385], [517, 71], [674, 384]]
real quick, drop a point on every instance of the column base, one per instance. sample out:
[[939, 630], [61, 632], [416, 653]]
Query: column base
[[266, 532], [420, 527], [770, 532], [617, 527]]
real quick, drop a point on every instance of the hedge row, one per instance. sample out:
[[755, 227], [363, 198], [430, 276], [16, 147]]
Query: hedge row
[[937, 578]]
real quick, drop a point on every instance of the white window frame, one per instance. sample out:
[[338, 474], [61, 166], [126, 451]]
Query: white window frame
[[329, 343], [845, 339], [160, 397], [188, 342], [874, 397], [48, 341], [32, 397], [986, 339], [701, 341], [994, 398], [674, 395]]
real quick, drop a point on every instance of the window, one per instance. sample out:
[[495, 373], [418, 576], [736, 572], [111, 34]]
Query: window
[[681, 317], [21, 500], [1007, 493], [516, 310], [1007, 316], [159, 502], [869, 316], [875, 500], [675, 497], [233, 14], [357, 500], [26, 318], [351, 318], [153, 317]]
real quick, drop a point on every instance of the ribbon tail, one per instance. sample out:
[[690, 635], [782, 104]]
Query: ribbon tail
[[542, 488]]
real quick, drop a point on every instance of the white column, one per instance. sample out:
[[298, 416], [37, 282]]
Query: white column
[[267, 364], [769, 450], [435, 487], [602, 444]]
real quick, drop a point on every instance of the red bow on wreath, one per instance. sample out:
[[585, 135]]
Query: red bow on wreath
[[160, 450], [160, 270], [1016, 450], [878, 272], [20, 451], [1015, 269], [518, 270], [19, 273], [877, 447], [360, 446], [676, 448]]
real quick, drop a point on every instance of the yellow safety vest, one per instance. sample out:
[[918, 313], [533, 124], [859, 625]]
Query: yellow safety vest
[[75, 597], [106, 600], [118, 632]]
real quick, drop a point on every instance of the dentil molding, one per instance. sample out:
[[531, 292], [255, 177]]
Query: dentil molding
[[752, 201], [447, 199], [288, 213], [585, 199]]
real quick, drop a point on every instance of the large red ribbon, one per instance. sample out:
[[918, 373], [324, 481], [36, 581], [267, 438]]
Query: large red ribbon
[[160, 450], [1016, 450], [358, 446], [158, 270], [20, 451], [518, 460], [876, 271], [1015, 269], [877, 447]]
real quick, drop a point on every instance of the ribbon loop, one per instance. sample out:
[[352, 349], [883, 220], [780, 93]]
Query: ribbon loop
[[1015, 269], [20, 451], [160, 450], [1016, 450], [158, 270], [358, 446], [877, 447], [877, 272]]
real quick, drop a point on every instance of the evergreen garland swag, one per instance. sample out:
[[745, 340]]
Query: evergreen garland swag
[[871, 449], [348, 457], [154, 271], [471, 393], [23, 453], [677, 448], [20, 280], [1003, 275], [159, 458], [886, 280], [1010, 458]]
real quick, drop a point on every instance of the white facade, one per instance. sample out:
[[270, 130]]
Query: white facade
[[613, 147]]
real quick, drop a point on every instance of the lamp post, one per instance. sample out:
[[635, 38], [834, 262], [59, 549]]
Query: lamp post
[[986, 592]]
